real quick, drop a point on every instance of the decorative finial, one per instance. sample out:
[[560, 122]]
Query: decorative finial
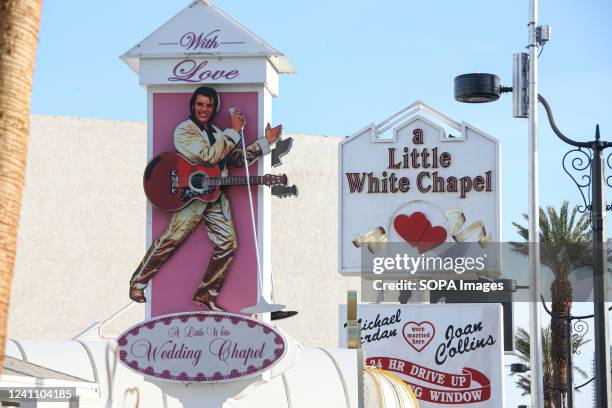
[[597, 132]]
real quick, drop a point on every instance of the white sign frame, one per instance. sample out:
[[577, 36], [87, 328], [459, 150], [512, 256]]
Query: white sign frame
[[460, 132], [410, 359]]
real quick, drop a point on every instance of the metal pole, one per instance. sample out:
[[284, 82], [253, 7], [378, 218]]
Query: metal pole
[[600, 282], [570, 362], [535, 358]]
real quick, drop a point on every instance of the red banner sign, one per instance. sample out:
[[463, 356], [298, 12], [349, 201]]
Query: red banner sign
[[463, 389]]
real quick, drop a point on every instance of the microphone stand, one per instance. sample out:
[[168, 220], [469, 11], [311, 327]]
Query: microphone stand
[[262, 305]]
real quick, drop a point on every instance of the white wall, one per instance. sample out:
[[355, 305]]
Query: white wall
[[82, 231], [305, 242]]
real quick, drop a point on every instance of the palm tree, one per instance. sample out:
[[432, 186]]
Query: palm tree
[[565, 239], [19, 23], [521, 344]]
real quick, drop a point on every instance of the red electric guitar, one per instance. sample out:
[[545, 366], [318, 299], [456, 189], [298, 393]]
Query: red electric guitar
[[171, 181]]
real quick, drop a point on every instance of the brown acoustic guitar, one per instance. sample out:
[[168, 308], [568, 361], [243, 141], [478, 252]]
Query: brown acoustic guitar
[[171, 181]]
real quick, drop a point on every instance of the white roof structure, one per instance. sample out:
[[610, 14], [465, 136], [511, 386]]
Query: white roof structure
[[206, 32], [320, 378]]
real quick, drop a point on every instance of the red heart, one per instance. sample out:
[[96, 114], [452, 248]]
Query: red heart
[[431, 238], [418, 232], [411, 228], [418, 337]]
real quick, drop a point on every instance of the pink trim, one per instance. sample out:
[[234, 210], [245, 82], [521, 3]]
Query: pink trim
[[174, 286], [250, 371]]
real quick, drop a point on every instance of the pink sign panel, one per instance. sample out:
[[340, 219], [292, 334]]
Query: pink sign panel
[[176, 283], [201, 347]]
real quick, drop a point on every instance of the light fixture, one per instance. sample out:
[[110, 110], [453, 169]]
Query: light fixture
[[478, 88], [518, 368]]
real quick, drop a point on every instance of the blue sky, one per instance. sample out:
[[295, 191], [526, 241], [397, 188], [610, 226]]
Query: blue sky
[[359, 62]]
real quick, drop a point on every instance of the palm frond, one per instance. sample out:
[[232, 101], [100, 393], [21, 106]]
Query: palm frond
[[522, 347]]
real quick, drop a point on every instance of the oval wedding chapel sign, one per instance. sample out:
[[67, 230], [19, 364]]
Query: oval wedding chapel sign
[[201, 347]]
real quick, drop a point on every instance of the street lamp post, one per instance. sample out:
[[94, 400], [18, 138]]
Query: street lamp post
[[488, 89], [536, 358], [485, 88], [478, 88], [482, 88], [598, 208]]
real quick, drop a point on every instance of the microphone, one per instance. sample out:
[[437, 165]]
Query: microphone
[[234, 110]]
